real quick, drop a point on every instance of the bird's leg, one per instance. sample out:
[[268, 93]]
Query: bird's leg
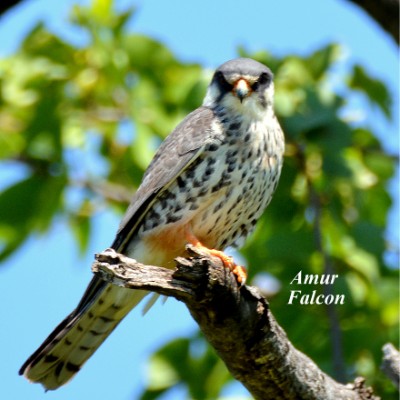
[[239, 271]]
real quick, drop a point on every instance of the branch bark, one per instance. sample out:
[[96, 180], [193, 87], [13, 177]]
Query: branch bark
[[237, 322], [391, 364]]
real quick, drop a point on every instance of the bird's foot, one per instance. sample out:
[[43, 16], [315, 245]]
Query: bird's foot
[[238, 270]]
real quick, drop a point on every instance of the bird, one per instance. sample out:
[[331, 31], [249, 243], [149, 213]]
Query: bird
[[207, 185]]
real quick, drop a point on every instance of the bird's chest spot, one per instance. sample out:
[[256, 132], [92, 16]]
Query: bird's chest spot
[[245, 186]]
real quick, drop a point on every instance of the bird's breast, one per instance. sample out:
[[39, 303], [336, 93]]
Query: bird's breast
[[220, 196]]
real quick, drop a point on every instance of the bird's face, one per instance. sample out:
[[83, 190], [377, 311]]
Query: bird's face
[[242, 86]]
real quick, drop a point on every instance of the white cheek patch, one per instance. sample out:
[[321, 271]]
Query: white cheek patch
[[211, 96]]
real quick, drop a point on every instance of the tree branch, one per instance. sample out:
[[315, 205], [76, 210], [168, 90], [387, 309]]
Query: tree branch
[[237, 322], [391, 363]]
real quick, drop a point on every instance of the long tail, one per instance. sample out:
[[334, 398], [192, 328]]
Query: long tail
[[75, 339]]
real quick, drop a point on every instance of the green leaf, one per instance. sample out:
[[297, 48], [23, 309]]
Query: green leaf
[[190, 361], [373, 88], [313, 114], [26, 207], [320, 61], [81, 226]]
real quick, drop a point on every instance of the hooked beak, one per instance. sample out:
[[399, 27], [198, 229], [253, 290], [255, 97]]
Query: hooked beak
[[241, 89]]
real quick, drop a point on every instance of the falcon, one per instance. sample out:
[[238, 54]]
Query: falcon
[[207, 185]]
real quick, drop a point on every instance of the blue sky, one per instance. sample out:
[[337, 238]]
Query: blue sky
[[38, 287]]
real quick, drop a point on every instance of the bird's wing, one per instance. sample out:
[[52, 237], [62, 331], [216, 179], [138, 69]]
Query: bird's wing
[[56, 360], [175, 154]]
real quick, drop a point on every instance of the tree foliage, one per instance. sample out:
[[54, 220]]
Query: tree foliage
[[81, 123]]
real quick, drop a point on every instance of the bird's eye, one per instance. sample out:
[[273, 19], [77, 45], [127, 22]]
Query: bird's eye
[[220, 77], [264, 78], [222, 82]]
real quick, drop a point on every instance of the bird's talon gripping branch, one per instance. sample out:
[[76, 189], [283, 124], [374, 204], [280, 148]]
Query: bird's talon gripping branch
[[241, 274], [239, 271]]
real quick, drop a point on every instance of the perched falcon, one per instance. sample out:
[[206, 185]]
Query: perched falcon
[[207, 185]]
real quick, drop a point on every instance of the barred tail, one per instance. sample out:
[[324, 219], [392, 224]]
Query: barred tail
[[76, 338]]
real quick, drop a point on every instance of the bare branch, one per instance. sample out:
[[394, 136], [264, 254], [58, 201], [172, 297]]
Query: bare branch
[[391, 363], [238, 324]]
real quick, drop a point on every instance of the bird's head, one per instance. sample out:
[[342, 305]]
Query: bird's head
[[242, 85]]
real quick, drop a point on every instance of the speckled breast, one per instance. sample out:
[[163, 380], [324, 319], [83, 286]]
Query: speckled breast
[[223, 192]]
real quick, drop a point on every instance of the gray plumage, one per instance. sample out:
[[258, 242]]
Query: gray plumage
[[213, 176]]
